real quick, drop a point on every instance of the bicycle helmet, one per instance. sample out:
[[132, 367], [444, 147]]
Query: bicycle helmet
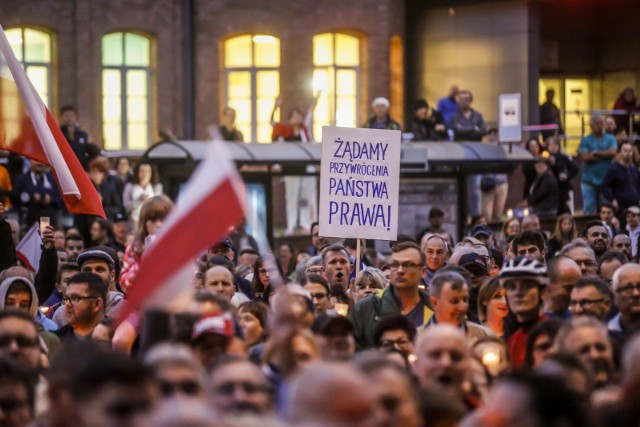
[[523, 266]]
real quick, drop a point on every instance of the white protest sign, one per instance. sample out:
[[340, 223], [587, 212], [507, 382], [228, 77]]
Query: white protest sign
[[359, 182]]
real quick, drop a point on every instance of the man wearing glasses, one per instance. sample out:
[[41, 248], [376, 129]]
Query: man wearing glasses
[[626, 289], [583, 255], [408, 265], [84, 304], [590, 296]]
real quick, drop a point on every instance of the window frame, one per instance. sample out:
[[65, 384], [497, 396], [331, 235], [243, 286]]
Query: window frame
[[50, 66], [333, 95], [123, 69], [253, 73]]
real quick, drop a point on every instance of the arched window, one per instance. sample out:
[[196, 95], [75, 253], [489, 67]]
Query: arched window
[[252, 77], [126, 90], [336, 62], [34, 49]]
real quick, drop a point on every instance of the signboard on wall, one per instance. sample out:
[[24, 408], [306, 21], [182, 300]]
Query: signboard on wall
[[510, 117], [359, 179]]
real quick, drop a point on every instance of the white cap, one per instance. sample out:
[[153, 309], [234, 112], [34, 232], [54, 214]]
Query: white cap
[[380, 100]]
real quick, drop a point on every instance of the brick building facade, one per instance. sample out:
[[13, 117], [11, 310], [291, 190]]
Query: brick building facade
[[77, 28]]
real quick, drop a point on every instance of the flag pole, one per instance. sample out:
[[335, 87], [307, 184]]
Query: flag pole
[[358, 256]]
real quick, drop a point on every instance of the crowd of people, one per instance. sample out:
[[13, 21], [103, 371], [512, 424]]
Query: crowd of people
[[434, 333], [522, 326]]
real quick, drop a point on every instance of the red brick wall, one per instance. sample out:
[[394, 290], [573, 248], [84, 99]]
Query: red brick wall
[[78, 26]]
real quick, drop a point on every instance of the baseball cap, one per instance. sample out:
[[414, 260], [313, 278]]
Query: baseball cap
[[633, 209], [481, 229], [120, 216], [331, 323], [219, 324], [473, 261], [223, 242], [96, 253]]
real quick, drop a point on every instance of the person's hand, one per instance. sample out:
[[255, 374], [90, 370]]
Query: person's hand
[[47, 238], [615, 205], [440, 127], [144, 196], [279, 101], [46, 200], [36, 197]]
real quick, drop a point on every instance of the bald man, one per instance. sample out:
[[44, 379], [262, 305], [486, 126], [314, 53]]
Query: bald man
[[340, 397], [442, 359], [219, 280], [563, 274]]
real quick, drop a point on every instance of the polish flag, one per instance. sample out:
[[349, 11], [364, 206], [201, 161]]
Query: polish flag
[[29, 248], [27, 128], [212, 202]]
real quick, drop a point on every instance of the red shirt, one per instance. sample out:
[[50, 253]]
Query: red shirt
[[517, 344]]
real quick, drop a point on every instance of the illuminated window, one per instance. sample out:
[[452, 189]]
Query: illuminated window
[[336, 73], [126, 91], [396, 67], [33, 48], [252, 77]]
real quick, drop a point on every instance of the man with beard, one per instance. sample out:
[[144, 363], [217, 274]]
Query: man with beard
[[587, 338], [531, 244], [597, 237], [337, 266], [622, 243], [626, 288], [563, 274], [239, 387], [84, 306]]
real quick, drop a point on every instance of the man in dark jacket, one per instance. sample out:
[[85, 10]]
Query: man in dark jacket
[[543, 197], [408, 265], [427, 123], [621, 184], [564, 169]]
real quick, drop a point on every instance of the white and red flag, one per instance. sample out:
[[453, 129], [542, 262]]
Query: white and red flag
[[213, 201], [27, 128], [29, 249]]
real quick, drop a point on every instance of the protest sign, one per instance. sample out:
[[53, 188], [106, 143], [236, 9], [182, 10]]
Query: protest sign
[[359, 180], [510, 118]]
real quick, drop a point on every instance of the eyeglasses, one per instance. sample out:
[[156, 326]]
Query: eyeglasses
[[400, 342], [21, 340], [585, 302], [74, 299], [585, 262], [228, 388], [187, 387], [404, 265], [629, 288]]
